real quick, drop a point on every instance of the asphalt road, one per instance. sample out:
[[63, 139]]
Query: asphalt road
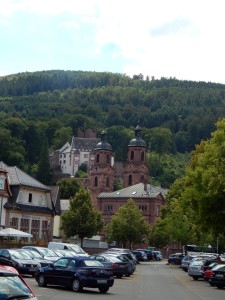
[[151, 281]]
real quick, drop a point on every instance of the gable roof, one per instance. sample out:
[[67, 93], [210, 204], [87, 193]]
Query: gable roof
[[17, 177], [139, 190]]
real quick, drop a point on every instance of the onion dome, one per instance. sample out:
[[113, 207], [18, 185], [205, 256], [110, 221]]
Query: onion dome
[[137, 141], [103, 144]]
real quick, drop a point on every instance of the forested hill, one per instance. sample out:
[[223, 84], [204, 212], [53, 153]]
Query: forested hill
[[29, 83], [47, 108]]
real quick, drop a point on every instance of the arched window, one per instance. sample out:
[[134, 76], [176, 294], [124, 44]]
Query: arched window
[[97, 158], [96, 181], [132, 155], [142, 156], [107, 181], [107, 159], [130, 180]]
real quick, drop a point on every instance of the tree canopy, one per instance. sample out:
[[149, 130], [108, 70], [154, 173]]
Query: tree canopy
[[82, 219], [127, 226]]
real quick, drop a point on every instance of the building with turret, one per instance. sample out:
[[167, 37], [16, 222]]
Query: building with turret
[[148, 198]]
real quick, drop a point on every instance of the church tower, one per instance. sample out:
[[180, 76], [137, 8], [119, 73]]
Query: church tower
[[102, 173], [136, 169]]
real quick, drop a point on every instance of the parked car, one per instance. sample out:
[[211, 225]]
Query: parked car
[[76, 273], [185, 262], [195, 269], [148, 253], [209, 271], [119, 268], [124, 258], [157, 255], [218, 277], [44, 252], [24, 264], [67, 246], [140, 255], [126, 252], [13, 286], [36, 256], [175, 258], [62, 253]]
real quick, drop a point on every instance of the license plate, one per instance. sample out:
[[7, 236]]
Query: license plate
[[102, 281], [219, 275]]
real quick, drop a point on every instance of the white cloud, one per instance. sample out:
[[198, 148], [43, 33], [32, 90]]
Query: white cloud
[[177, 38]]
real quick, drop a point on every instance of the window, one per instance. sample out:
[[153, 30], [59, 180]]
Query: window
[[142, 156], [107, 182], [132, 155], [30, 198], [158, 210], [85, 155], [142, 207], [142, 178], [24, 225], [130, 180], [107, 159], [2, 184], [45, 229], [97, 158], [13, 222], [109, 208], [96, 181], [35, 227]]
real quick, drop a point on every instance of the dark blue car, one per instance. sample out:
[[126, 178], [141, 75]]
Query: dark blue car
[[76, 273]]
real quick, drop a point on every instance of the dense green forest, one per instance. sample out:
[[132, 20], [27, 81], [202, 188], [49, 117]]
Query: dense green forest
[[42, 110]]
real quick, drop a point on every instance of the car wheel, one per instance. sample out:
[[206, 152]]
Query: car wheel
[[119, 276], [76, 285], [103, 289], [41, 281], [219, 286], [128, 274], [195, 277]]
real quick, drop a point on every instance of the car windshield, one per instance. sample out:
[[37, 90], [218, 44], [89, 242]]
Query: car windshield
[[34, 254], [77, 249], [48, 252], [13, 286], [17, 254], [24, 254]]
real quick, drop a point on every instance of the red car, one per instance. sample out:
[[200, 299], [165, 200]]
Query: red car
[[13, 285], [209, 273]]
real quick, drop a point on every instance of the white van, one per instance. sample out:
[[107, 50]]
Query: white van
[[67, 246]]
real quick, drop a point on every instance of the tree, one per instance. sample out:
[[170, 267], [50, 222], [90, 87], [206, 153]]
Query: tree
[[61, 136], [43, 172], [127, 226], [205, 187], [82, 219], [68, 187]]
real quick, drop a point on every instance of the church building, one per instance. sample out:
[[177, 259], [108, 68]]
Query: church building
[[148, 198]]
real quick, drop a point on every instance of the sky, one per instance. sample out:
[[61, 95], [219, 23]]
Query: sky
[[161, 38]]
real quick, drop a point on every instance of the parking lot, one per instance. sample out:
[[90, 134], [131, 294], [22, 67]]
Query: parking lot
[[151, 280]]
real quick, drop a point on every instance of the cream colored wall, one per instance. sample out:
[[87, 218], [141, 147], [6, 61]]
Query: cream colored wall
[[56, 226]]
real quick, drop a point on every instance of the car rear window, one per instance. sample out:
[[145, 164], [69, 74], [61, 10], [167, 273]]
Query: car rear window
[[92, 263]]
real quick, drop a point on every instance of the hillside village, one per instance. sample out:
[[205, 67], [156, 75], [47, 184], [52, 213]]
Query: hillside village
[[33, 207]]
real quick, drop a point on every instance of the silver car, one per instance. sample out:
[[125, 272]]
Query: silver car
[[195, 269]]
